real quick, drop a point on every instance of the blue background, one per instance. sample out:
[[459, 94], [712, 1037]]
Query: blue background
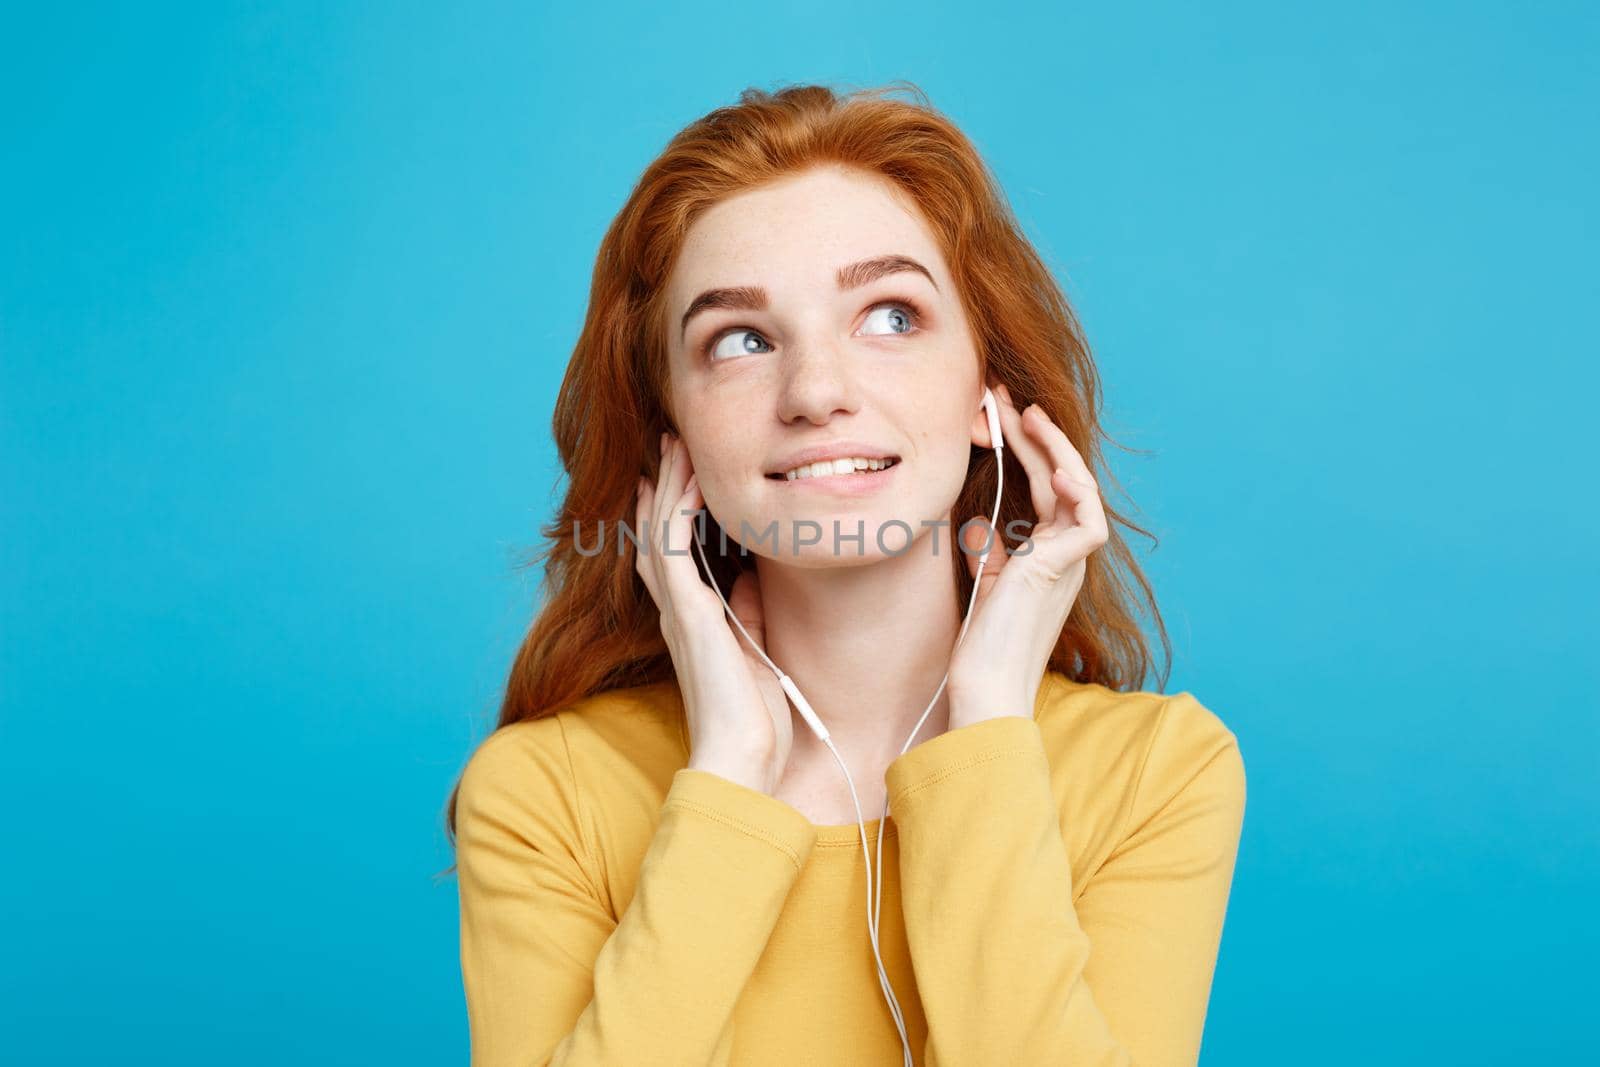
[[285, 298]]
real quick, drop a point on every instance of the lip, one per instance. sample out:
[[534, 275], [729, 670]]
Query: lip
[[832, 450]]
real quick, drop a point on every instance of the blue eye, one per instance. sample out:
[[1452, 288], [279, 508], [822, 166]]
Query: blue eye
[[722, 350], [899, 318]]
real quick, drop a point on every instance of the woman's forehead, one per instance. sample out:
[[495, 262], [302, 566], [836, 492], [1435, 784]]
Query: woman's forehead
[[800, 232]]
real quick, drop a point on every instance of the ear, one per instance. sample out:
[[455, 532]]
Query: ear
[[979, 428]]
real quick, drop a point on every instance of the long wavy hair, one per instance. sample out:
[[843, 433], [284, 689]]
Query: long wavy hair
[[599, 628]]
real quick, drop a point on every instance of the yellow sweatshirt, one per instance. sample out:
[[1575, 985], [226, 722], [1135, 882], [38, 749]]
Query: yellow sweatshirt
[[1054, 892]]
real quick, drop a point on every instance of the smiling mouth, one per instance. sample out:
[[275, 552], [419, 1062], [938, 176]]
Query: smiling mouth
[[888, 462]]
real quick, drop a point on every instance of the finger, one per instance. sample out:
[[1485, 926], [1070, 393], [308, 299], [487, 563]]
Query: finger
[[666, 492], [690, 507], [1081, 500], [1033, 458], [974, 533], [642, 556], [663, 495], [653, 533], [1071, 479], [745, 602], [1056, 445], [1059, 547], [661, 537], [679, 567]]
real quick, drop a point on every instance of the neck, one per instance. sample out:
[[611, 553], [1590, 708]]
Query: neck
[[868, 645]]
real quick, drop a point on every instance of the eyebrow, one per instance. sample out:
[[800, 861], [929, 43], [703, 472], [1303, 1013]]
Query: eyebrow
[[754, 298]]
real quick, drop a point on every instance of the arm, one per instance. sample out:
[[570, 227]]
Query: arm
[[1008, 970], [550, 977]]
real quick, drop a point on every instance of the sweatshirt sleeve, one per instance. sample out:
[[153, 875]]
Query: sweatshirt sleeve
[[551, 976], [1008, 970]]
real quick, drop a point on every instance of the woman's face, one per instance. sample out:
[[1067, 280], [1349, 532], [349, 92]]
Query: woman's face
[[811, 332]]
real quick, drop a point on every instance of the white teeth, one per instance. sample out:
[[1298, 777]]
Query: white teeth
[[823, 468]]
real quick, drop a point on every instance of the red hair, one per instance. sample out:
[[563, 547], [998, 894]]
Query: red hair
[[598, 628]]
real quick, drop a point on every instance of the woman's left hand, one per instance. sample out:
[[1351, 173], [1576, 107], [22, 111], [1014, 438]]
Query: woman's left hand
[[1023, 600]]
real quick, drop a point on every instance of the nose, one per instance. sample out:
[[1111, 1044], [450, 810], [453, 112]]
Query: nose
[[817, 383]]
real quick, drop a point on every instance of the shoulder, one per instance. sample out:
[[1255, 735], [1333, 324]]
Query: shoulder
[[639, 726], [555, 763], [1081, 719], [1116, 756]]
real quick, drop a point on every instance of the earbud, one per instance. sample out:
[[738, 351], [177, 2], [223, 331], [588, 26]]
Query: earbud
[[991, 408]]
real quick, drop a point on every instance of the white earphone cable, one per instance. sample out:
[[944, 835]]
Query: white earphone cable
[[875, 880], [972, 597], [872, 930]]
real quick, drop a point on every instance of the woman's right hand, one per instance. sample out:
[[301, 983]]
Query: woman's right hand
[[738, 716]]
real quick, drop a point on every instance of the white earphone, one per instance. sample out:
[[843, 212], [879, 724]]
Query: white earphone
[[874, 900]]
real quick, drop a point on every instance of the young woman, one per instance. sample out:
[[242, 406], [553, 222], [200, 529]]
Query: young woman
[[663, 850]]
